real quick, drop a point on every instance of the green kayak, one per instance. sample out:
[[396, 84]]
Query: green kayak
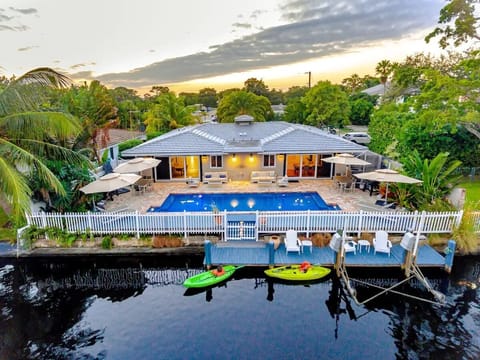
[[293, 273], [208, 278]]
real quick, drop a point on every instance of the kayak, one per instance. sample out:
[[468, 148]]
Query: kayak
[[293, 273], [207, 278]]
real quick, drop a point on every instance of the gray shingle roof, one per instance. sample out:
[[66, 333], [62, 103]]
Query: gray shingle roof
[[259, 137]]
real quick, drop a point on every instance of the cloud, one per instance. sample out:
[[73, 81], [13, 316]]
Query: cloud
[[27, 48], [314, 29], [5, 17], [28, 11], [242, 25], [13, 28], [78, 66]]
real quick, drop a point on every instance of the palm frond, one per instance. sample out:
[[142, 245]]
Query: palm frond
[[43, 76], [26, 162], [40, 125], [15, 189]]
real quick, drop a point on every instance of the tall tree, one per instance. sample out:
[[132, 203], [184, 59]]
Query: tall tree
[[383, 69], [29, 136], [208, 97], [459, 23], [244, 103], [327, 104], [169, 112], [95, 108], [352, 83], [256, 86]]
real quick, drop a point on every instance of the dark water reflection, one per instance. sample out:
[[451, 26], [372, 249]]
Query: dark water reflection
[[137, 308]]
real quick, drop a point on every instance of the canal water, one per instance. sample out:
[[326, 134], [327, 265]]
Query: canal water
[[137, 308]]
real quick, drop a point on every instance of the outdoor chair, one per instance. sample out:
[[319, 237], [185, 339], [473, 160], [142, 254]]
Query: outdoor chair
[[292, 242], [350, 246], [381, 242]]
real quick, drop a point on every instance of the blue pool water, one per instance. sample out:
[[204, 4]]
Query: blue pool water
[[297, 201]]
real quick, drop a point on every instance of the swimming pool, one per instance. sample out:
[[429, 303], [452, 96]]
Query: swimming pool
[[296, 201]]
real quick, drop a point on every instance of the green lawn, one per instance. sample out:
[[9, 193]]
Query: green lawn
[[473, 192]]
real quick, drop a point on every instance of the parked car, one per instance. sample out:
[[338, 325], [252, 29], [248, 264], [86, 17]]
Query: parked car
[[358, 137]]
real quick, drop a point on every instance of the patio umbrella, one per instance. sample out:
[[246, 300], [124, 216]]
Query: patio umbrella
[[387, 176], [136, 165], [110, 182], [346, 159]]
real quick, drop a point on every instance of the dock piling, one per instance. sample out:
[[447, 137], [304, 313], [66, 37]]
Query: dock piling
[[450, 253]]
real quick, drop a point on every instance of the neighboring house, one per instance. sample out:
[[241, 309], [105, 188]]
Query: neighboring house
[[239, 148], [381, 90], [115, 137]]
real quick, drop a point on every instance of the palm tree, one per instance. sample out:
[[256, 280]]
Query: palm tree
[[169, 113], [29, 136], [384, 68], [244, 103]]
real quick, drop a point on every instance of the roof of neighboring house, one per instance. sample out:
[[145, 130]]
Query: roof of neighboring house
[[117, 136], [259, 137], [379, 89]]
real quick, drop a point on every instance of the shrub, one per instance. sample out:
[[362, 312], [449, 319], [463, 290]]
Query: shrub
[[107, 242]]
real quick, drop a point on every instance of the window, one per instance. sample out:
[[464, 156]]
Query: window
[[268, 160], [216, 161]]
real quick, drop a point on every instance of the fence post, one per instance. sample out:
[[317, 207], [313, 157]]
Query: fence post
[[257, 219], [224, 222], [89, 216], [450, 253], [459, 218], [308, 223], [360, 223], [184, 224], [208, 254], [137, 222], [271, 254]]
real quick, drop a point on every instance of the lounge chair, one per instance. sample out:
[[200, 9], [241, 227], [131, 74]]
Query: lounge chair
[[292, 242], [381, 242]]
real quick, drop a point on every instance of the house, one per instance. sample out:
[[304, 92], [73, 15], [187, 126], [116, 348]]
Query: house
[[108, 141], [244, 146]]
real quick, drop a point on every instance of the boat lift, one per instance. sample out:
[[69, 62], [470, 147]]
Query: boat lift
[[410, 244]]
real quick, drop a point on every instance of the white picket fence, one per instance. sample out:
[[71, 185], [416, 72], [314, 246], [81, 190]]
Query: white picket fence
[[259, 222]]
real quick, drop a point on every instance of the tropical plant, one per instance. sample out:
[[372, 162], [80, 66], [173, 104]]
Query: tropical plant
[[464, 234], [244, 103], [30, 136], [438, 178], [95, 108], [168, 112], [384, 68]]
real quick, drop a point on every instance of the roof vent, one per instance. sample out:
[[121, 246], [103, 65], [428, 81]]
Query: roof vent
[[244, 120]]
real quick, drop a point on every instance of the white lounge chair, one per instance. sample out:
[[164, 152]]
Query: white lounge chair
[[292, 242], [381, 242]]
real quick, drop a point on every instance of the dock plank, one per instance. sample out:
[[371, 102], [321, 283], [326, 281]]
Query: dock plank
[[241, 254]]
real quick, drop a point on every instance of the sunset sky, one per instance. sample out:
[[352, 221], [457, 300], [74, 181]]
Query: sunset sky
[[191, 44]]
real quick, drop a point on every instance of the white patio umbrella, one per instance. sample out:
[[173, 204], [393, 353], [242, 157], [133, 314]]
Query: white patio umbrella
[[387, 176], [136, 165], [110, 182], [346, 159]]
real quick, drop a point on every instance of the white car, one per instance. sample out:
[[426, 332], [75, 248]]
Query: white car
[[358, 137]]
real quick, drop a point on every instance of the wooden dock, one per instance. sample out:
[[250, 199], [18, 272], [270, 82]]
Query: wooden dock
[[257, 254]]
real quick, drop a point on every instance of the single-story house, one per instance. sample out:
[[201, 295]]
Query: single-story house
[[108, 141], [242, 147]]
